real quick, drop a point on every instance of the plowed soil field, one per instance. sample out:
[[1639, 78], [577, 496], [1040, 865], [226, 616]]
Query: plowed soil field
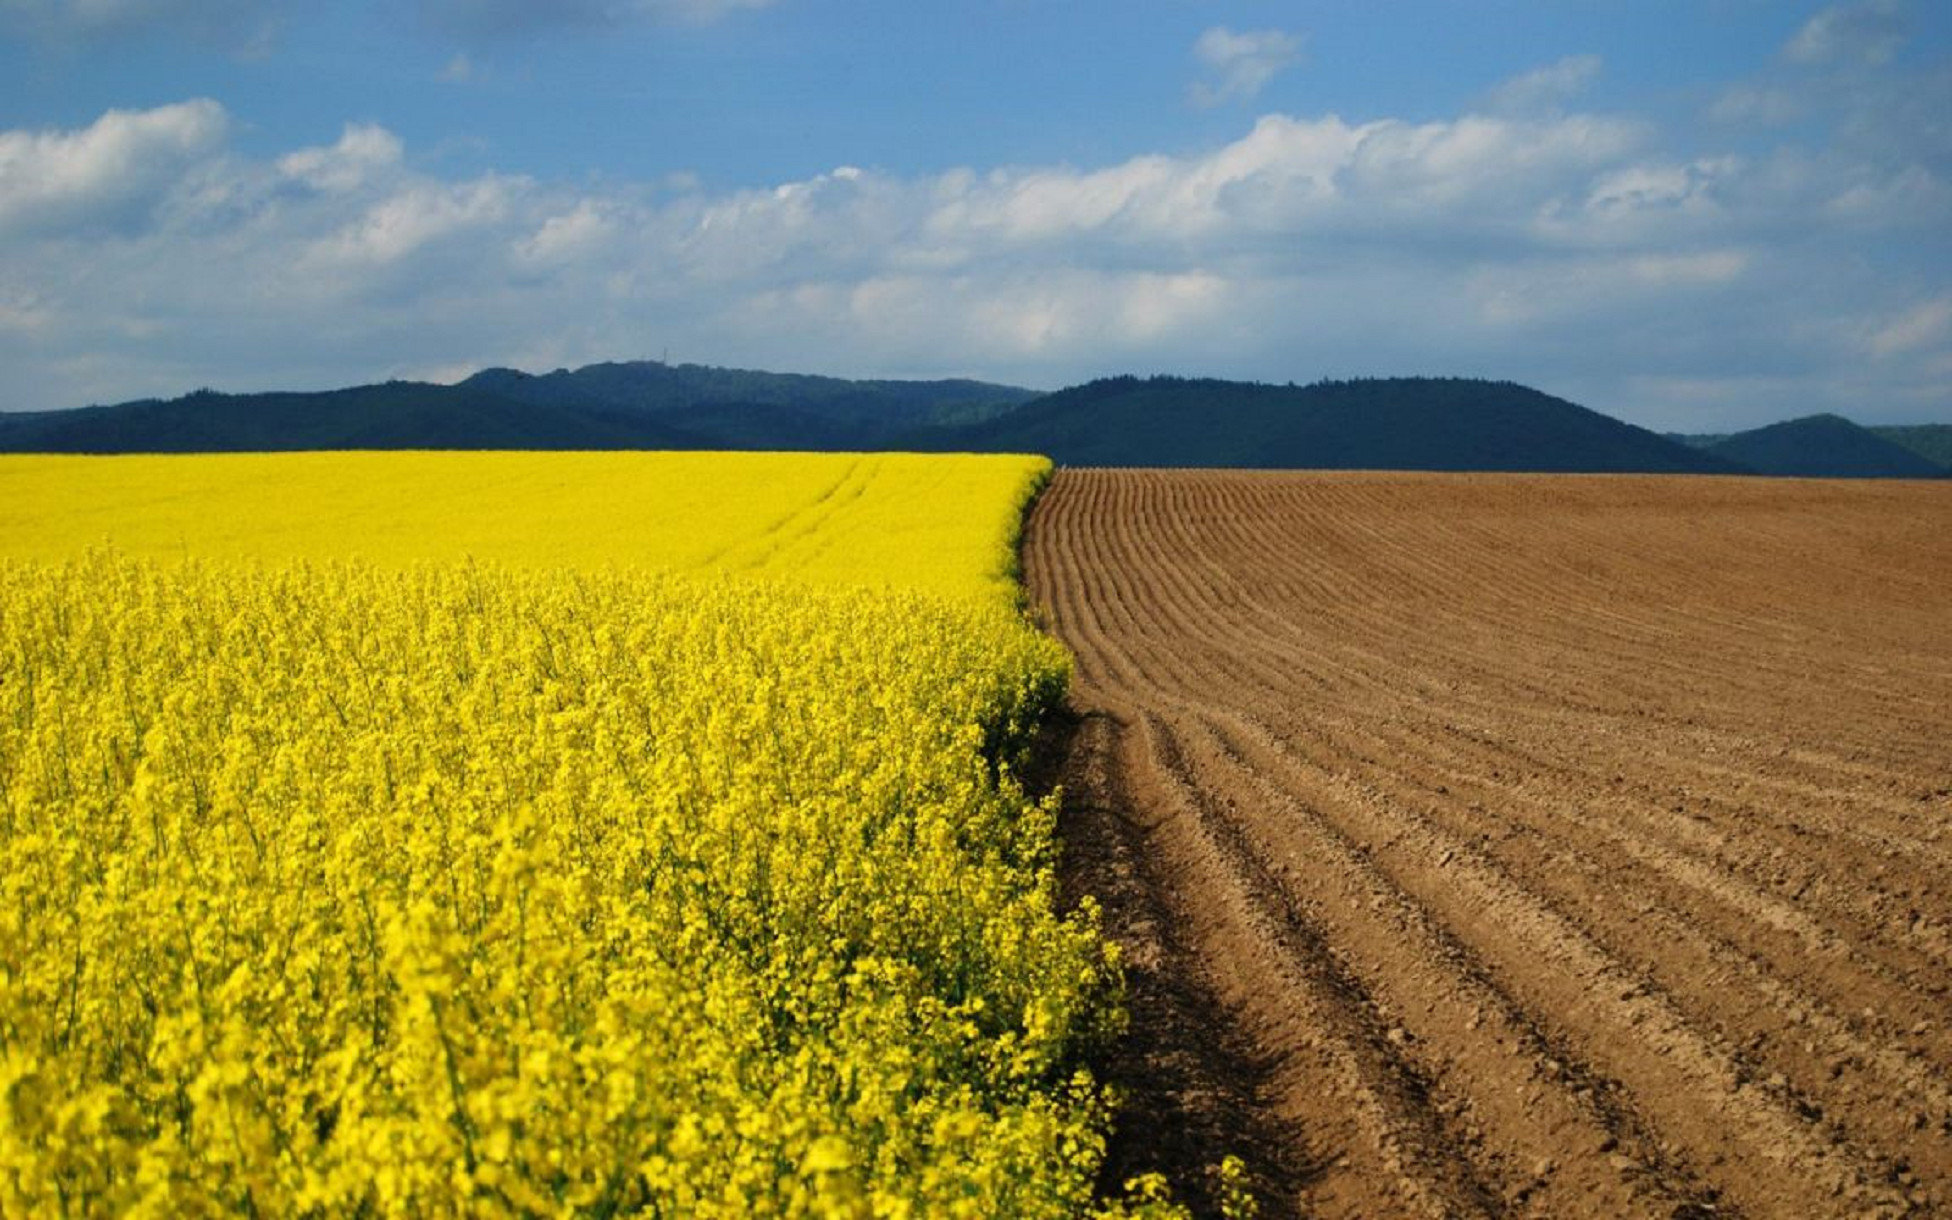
[[1519, 845]]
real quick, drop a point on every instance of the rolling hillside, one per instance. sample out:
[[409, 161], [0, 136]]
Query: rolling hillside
[[1933, 442], [395, 415], [1384, 424], [1824, 446], [640, 405], [1400, 423], [783, 403]]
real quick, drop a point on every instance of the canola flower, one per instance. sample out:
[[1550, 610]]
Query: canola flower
[[471, 888]]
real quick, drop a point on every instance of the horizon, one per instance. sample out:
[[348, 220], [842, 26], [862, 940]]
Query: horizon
[[1036, 391], [1694, 218]]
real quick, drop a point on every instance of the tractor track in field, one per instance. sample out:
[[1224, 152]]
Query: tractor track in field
[[1517, 845]]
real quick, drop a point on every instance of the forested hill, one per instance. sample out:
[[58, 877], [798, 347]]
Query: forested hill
[[1933, 442], [1830, 446], [395, 415], [704, 395], [1833, 447], [1398, 423], [1416, 423], [639, 405]]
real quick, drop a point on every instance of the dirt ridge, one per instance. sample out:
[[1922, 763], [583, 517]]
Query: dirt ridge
[[1519, 845]]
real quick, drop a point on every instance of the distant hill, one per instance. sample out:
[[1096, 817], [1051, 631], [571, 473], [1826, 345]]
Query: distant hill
[[394, 415], [1401, 423], [1824, 446], [643, 405], [1933, 442], [1698, 440], [1415, 423], [763, 405]]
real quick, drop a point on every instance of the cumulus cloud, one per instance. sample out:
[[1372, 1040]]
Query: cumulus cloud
[[1648, 202], [1862, 32], [363, 152], [407, 221], [1314, 178], [1239, 65], [113, 173], [583, 231], [144, 255]]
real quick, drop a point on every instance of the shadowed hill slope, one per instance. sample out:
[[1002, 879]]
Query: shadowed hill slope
[[1824, 446], [641, 405], [1401, 423], [1414, 423], [1933, 442], [395, 415], [776, 403]]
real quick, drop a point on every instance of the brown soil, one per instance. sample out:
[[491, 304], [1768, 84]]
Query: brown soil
[[1518, 845]]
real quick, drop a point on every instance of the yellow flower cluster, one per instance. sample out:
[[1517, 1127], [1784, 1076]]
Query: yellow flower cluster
[[537, 882], [460, 890]]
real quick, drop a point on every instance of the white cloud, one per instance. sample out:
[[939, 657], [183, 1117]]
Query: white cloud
[[1544, 90], [410, 220], [1086, 315], [143, 255], [1324, 176], [1927, 325], [1485, 167], [364, 152], [1648, 201], [110, 173], [1862, 32], [1021, 315], [1239, 65], [583, 231]]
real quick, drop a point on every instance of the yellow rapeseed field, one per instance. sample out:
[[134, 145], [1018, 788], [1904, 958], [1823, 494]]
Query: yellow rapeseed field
[[402, 835], [938, 524]]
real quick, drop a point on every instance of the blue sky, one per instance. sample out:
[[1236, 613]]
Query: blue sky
[[1697, 215]]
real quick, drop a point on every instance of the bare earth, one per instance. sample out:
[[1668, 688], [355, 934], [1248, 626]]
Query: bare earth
[[1519, 845]]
